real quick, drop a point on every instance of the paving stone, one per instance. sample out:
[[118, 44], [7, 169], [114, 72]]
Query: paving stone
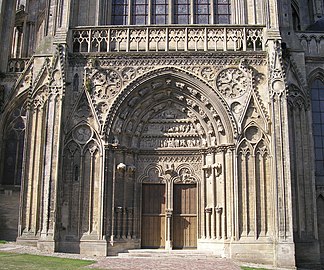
[[172, 261]]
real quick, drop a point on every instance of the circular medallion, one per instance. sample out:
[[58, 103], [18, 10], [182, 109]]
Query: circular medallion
[[231, 82], [253, 134], [82, 134], [236, 107]]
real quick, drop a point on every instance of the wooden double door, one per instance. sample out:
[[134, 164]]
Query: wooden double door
[[180, 227]]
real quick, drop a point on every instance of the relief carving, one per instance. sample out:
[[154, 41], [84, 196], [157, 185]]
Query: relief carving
[[253, 134], [106, 84], [232, 82], [82, 134], [184, 177]]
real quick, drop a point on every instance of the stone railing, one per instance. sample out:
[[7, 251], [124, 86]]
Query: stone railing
[[168, 38], [313, 43], [17, 64]]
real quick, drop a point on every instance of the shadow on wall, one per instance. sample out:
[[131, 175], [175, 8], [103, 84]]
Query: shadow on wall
[[9, 213]]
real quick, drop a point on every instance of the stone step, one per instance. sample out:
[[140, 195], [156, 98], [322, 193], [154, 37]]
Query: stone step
[[149, 253]]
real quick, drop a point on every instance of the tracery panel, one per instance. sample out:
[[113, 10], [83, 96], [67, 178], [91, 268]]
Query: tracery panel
[[13, 148], [80, 203], [254, 184], [318, 127]]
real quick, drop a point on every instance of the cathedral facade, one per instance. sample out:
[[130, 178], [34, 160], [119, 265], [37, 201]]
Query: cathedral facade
[[170, 124]]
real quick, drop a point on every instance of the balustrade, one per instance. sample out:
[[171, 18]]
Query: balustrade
[[168, 38]]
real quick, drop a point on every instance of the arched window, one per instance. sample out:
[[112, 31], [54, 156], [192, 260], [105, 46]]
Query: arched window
[[76, 82], [223, 11], [318, 127], [295, 17], [14, 136]]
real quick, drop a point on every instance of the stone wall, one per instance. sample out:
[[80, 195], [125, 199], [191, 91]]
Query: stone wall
[[9, 212]]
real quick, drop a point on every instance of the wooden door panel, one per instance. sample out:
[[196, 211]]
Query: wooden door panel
[[185, 216], [153, 232], [153, 216]]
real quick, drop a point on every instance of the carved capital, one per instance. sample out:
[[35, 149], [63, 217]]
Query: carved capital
[[218, 169], [119, 209], [121, 167], [168, 213], [208, 210], [219, 210], [207, 169]]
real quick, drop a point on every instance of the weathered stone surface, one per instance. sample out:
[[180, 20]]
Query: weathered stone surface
[[163, 136]]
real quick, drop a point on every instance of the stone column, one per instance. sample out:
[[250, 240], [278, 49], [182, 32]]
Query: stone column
[[282, 199], [219, 212], [30, 206], [168, 240], [7, 20], [208, 212], [51, 155]]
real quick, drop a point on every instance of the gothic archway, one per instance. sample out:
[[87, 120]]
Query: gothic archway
[[171, 129], [12, 138]]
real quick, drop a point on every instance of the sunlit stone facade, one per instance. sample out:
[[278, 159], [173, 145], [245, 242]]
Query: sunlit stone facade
[[172, 124]]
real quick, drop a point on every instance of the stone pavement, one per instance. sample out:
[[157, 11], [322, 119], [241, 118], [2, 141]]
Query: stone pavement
[[183, 261], [166, 263]]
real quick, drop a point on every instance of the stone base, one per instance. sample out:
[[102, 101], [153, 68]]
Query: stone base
[[27, 240], [285, 255], [249, 250], [168, 245], [263, 251], [93, 248], [308, 255], [215, 247], [122, 245], [84, 247], [259, 253], [46, 245], [69, 247]]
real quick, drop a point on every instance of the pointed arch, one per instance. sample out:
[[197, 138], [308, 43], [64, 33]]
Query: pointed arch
[[254, 183], [152, 174], [82, 181], [147, 94], [317, 73], [13, 143]]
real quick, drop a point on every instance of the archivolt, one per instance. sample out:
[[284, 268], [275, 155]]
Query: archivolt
[[149, 93]]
